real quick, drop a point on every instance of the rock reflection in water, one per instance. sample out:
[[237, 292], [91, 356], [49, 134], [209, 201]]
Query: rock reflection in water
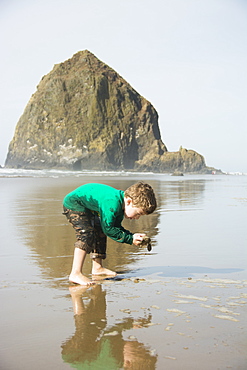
[[179, 193], [94, 344], [49, 236]]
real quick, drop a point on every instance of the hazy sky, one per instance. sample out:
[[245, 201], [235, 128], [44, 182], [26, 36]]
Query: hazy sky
[[187, 57]]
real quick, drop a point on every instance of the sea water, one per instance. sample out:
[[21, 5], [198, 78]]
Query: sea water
[[198, 232], [199, 225]]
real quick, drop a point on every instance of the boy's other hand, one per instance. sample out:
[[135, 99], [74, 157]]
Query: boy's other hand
[[137, 238]]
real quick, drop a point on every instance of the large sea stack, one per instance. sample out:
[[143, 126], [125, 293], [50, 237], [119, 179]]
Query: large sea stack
[[85, 116]]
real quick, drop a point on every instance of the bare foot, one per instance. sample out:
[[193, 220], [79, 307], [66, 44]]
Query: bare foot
[[80, 279], [103, 271]]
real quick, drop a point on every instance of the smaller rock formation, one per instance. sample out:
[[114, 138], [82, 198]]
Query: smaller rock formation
[[182, 161], [177, 173]]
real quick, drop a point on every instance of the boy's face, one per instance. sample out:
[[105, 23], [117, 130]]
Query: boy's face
[[130, 211]]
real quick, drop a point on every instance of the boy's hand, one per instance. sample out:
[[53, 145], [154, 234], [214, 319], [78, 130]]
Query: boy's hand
[[137, 238]]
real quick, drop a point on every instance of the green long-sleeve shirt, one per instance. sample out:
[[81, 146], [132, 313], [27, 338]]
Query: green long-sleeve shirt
[[108, 202]]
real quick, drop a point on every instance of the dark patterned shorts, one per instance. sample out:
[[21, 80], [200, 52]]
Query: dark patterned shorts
[[89, 234]]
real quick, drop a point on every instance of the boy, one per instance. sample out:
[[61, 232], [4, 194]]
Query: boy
[[95, 212]]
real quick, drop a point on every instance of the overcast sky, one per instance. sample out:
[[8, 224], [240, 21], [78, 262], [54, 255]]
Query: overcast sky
[[187, 57]]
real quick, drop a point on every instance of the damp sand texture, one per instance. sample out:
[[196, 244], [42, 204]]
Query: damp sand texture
[[181, 304]]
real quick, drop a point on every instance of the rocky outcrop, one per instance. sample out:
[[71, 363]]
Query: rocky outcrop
[[182, 161], [85, 116]]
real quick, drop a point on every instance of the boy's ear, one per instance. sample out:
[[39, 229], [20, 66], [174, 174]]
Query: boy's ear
[[128, 201]]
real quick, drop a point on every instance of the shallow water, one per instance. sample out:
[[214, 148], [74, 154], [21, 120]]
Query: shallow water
[[181, 303]]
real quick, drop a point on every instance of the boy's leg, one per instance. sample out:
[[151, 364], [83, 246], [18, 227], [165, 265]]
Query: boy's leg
[[82, 224], [76, 275], [99, 252], [89, 236]]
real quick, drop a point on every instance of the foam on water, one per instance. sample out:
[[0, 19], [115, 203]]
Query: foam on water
[[12, 172]]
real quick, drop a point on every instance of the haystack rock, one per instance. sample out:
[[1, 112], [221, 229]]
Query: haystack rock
[[85, 116]]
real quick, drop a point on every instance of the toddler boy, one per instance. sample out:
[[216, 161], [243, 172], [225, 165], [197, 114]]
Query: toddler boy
[[95, 212]]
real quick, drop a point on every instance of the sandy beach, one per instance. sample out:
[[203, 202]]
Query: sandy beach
[[180, 306]]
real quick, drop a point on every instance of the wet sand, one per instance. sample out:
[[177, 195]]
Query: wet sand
[[181, 305]]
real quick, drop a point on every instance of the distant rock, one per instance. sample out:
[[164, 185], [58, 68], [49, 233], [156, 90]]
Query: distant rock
[[177, 173], [182, 161], [86, 116]]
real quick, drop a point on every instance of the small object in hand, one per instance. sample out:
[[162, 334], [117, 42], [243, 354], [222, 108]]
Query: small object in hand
[[146, 242]]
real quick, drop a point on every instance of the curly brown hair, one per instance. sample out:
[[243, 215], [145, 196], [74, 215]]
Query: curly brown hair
[[142, 196]]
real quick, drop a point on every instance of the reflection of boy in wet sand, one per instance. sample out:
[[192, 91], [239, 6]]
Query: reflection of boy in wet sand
[[93, 345], [95, 212]]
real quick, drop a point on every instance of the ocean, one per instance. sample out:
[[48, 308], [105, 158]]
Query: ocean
[[163, 308]]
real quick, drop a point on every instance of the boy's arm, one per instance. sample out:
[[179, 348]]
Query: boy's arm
[[111, 226], [118, 234], [118, 224], [126, 231]]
